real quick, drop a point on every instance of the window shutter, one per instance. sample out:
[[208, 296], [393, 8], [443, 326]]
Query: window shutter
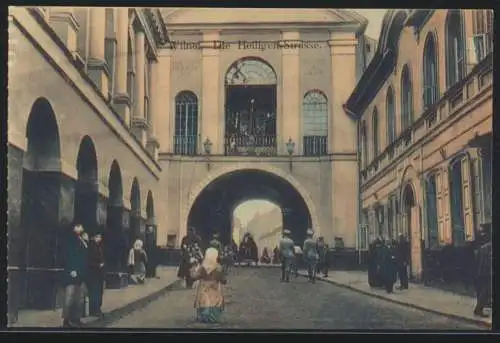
[[477, 188], [472, 57], [445, 184], [467, 197], [440, 207]]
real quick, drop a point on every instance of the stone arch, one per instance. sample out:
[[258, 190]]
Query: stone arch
[[250, 70], [115, 252], [40, 232], [115, 185], [151, 232], [135, 211], [193, 194], [409, 175], [150, 210], [43, 140]]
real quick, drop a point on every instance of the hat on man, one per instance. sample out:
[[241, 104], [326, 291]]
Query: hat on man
[[310, 232], [286, 232]]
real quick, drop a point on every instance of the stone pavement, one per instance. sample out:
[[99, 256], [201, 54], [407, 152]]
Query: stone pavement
[[417, 296], [115, 301]]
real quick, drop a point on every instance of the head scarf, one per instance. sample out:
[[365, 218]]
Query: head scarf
[[210, 261], [138, 244], [310, 232]]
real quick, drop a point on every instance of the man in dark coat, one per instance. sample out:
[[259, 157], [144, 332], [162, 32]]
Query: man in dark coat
[[95, 275], [484, 273], [388, 266], [188, 245], [403, 260], [75, 269], [323, 256], [373, 263]]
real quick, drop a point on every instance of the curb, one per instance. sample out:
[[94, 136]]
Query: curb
[[118, 313], [407, 304]]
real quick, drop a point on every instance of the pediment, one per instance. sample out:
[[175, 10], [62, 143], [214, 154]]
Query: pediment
[[221, 16]]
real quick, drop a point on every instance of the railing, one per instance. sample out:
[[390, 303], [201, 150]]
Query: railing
[[250, 145], [315, 145], [447, 106], [185, 145]]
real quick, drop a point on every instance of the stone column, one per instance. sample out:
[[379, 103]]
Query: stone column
[[212, 120], [63, 22], [161, 101], [121, 97], [139, 122], [155, 108], [342, 137], [96, 64], [290, 115]]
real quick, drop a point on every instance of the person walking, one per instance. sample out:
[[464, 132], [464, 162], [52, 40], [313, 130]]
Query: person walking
[[137, 260], [189, 255], [216, 243], [483, 280], [75, 269], [323, 251], [403, 260], [388, 266], [95, 275], [311, 255], [286, 248], [209, 301]]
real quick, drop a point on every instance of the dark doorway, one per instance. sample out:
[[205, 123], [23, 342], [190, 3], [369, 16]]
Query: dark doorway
[[150, 242], [114, 241], [250, 108], [408, 206], [39, 237], [135, 214], [213, 209]]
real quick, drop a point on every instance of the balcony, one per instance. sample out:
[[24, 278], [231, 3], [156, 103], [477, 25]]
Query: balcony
[[450, 104], [250, 145], [315, 145]]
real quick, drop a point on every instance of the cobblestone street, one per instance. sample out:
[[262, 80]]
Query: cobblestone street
[[257, 300]]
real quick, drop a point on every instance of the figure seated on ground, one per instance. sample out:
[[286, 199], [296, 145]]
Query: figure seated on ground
[[265, 257]]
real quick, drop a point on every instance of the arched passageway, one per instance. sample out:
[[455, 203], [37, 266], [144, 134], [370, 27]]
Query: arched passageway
[[86, 188], [114, 240], [213, 208], [411, 227], [36, 245], [135, 214], [150, 242], [250, 87]]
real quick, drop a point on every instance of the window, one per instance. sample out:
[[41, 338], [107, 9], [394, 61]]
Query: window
[[315, 123], [487, 190], [456, 199], [147, 86], [482, 28], [131, 70], [391, 117], [455, 48], [110, 49], [364, 146], [432, 213], [375, 133], [431, 79], [186, 123], [406, 99], [171, 239]]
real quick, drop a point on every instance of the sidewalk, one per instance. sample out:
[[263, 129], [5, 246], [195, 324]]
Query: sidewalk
[[417, 296], [115, 300]]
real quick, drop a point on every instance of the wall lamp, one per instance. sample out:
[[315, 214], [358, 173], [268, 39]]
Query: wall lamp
[[207, 145], [290, 148]]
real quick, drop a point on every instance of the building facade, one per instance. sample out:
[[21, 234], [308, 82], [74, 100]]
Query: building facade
[[120, 125], [424, 108]]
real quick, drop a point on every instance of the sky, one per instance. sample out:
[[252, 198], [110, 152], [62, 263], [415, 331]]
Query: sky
[[374, 17]]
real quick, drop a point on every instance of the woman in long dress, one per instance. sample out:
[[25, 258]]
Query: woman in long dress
[[209, 302], [137, 260]]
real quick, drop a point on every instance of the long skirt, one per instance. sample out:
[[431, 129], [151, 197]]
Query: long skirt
[[209, 314]]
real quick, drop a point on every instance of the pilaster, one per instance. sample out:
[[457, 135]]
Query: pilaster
[[139, 122], [290, 96], [212, 120], [121, 97], [161, 100], [64, 23], [97, 67]]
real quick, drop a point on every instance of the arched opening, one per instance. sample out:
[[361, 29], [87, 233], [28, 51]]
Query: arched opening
[[455, 47], [431, 76], [250, 108], [432, 212], [213, 208], [114, 241], [391, 117], [186, 123], [315, 123], [135, 214], [86, 191], [150, 242], [409, 217], [364, 145], [263, 219], [406, 99], [37, 246], [375, 134]]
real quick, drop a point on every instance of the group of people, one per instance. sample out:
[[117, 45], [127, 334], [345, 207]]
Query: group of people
[[388, 260], [84, 272], [314, 253]]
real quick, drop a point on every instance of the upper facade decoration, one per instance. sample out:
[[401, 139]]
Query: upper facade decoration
[[251, 71]]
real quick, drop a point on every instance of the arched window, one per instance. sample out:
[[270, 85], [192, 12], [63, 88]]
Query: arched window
[[375, 133], [110, 48], [432, 212], [364, 145], [391, 117], [455, 48], [131, 69], [430, 77], [406, 99], [186, 123], [315, 123]]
